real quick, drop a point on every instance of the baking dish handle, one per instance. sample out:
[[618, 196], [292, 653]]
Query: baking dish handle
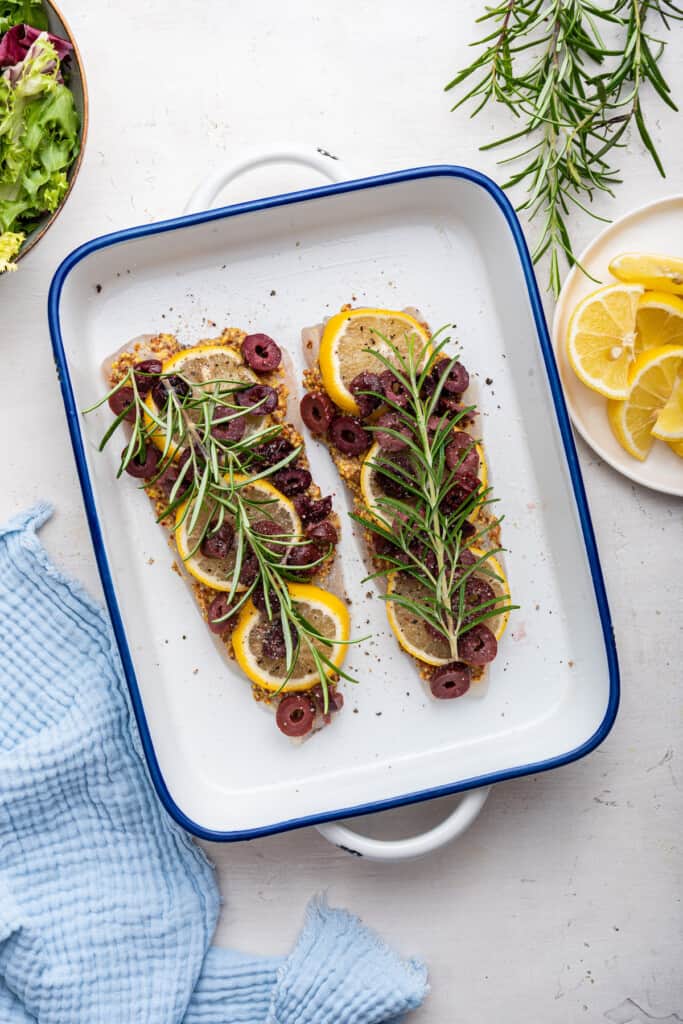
[[457, 822], [320, 160]]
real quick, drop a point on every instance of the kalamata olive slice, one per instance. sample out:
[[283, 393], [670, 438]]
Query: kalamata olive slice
[[260, 399], [147, 374], [384, 547], [120, 400], [218, 542], [442, 421], [457, 378], [291, 480], [272, 452], [468, 530], [295, 715], [462, 455], [335, 701], [188, 474], [366, 388], [465, 486], [322, 534], [478, 646], [349, 435], [273, 645], [168, 477], [249, 569], [449, 404], [261, 353], [317, 411], [392, 471], [426, 556], [312, 510], [219, 607], [301, 558], [228, 425], [269, 528], [160, 389], [143, 469], [259, 598], [478, 592], [428, 388], [466, 559], [449, 681], [393, 389], [389, 442]]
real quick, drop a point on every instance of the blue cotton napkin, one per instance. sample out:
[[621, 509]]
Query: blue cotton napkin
[[107, 908]]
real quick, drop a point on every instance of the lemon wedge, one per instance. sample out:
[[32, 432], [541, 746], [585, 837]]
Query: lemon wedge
[[262, 501], [651, 383], [323, 610], [413, 633], [660, 273], [219, 367], [669, 423], [602, 339], [349, 334], [659, 320]]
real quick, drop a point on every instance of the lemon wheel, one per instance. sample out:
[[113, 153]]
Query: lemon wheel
[[414, 634], [214, 366], [371, 487], [261, 501], [323, 610], [346, 338], [659, 320]]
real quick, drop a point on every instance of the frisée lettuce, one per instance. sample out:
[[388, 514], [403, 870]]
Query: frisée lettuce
[[39, 139]]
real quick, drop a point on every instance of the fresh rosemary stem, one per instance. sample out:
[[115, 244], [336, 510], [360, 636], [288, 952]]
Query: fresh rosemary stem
[[576, 96]]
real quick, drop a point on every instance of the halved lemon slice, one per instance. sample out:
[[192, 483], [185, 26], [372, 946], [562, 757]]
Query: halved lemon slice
[[413, 633], [261, 501], [213, 367], [652, 381], [669, 423], [371, 486], [659, 320], [323, 610], [677, 448], [661, 273], [349, 334], [601, 340]]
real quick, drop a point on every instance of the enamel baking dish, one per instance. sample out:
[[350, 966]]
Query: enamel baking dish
[[446, 240]]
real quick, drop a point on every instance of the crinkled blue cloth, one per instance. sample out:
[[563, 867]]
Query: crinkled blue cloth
[[107, 908]]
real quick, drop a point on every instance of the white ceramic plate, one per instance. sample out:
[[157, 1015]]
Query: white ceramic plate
[[447, 240], [657, 227]]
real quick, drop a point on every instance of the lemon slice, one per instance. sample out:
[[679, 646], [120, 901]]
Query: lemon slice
[[601, 340], [412, 632], [669, 423], [661, 273], [324, 611], [346, 337], [677, 448], [371, 486], [262, 501], [659, 320], [652, 381], [200, 365]]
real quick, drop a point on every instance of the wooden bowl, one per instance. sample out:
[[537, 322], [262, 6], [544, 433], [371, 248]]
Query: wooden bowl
[[58, 26]]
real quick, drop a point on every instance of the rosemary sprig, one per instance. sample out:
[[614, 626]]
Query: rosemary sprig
[[425, 523], [212, 482], [576, 96]]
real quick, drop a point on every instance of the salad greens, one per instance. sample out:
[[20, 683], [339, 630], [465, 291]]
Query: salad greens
[[39, 127], [22, 12]]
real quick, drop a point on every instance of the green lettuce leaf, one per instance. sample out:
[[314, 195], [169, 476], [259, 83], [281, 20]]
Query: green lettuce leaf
[[22, 12]]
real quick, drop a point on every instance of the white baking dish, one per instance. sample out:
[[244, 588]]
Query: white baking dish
[[447, 240]]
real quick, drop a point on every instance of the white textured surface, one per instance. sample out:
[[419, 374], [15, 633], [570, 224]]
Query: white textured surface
[[563, 901]]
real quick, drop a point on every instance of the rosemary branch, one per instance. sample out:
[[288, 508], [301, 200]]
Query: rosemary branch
[[425, 521], [211, 483], [576, 96]]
